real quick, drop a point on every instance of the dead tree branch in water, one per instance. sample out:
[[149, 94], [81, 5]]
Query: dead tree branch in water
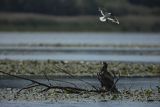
[[64, 71], [106, 79], [48, 87], [46, 76]]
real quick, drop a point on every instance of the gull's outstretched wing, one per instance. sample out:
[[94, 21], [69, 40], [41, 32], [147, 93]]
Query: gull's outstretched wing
[[107, 14], [115, 20], [101, 12], [110, 19]]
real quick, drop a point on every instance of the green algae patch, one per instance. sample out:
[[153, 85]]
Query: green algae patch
[[76, 68], [55, 95]]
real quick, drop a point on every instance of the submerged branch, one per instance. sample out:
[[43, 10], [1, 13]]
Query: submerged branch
[[48, 87], [28, 87], [64, 71], [33, 81], [45, 75]]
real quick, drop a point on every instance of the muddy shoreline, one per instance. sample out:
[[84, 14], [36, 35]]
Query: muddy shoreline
[[9, 94], [78, 69]]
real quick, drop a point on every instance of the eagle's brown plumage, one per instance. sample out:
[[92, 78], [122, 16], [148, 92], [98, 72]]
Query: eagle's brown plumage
[[106, 79]]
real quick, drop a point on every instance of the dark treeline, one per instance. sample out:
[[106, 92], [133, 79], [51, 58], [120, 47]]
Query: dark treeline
[[149, 3], [79, 15], [74, 7], [55, 7]]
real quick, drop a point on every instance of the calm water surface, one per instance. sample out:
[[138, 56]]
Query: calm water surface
[[81, 104], [79, 38], [53, 38]]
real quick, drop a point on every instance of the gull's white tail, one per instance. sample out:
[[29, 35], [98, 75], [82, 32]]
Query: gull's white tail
[[102, 19]]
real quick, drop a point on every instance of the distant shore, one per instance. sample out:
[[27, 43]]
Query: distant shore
[[40, 22]]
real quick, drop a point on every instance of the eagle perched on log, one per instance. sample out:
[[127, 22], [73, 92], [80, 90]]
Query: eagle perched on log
[[106, 79]]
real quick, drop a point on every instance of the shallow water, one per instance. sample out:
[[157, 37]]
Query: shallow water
[[80, 104], [148, 55], [124, 82], [83, 57], [79, 38]]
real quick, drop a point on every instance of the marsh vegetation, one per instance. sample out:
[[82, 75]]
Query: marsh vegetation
[[75, 68]]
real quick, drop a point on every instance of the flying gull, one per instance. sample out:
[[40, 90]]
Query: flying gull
[[108, 16]]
